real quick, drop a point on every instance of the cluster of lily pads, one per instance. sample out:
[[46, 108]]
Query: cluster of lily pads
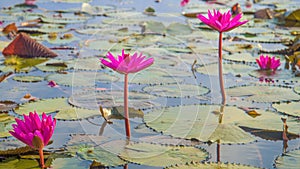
[[173, 105]]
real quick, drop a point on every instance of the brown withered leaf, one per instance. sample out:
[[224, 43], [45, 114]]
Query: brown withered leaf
[[7, 105], [264, 14], [10, 28], [26, 47], [4, 76]]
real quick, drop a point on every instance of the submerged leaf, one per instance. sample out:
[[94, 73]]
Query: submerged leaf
[[210, 165]]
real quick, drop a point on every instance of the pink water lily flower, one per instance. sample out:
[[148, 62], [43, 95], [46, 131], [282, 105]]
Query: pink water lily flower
[[30, 2], [184, 2], [34, 132], [268, 63], [222, 22], [127, 63]]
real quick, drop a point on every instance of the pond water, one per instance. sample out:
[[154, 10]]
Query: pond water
[[175, 42]]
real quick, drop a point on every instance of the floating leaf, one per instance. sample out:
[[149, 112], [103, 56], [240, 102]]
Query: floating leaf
[[81, 78], [291, 109], [154, 27], [31, 79], [5, 124], [240, 57], [91, 148], [109, 99], [176, 90], [53, 66], [7, 105], [176, 29], [152, 155], [74, 163], [262, 93], [15, 63], [14, 163], [201, 122], [59, 105], [289, 160], [297, 89], [274, 75], [65, 19], [211, 165], [212, 69]]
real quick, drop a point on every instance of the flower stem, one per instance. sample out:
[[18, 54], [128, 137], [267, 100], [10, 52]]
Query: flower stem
[[126, 114], [41, 158], [221, 81]]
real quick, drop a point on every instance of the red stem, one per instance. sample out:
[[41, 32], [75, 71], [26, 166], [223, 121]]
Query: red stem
[[41, 158], [218, 151], [126, 114], [221, 81]]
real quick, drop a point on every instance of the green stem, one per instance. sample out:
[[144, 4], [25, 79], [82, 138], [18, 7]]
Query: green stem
[[221, 81], [126, 114]]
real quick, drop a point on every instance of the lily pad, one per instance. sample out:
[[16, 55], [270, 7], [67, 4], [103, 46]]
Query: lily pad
[[155, 75], [5, 124], [176, 90], [212, 69], [31, 79], [53, 65], [74, 163], [15, 63], [176, 29], [81, 78], [14, 163], [288, 108], [289, 160], [211, 165], [152, 155], [59, 105], [201, 122], [240, 57], [7, 105], [297, 89], [91, 148], [112, 99], [65, 19], [261, 93], [274, 75]]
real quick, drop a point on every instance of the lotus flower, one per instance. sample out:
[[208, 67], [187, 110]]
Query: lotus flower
[[52, 83], [222, 22], [30, 2], [184, 2], [34, 132], [127, 64], [268, 63]]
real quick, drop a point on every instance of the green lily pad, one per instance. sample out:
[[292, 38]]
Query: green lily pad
[[241, 48], [65, 19], [14, 163], [178, 29], [46, 28], [74, 163], [274, 75], [93, 148], [81, 78], [53, 65], [59, 40], [5, 124], [88, 63], [31, 79], [15, 63], [289, 160], [297, 89], [288, 108], [59, 105], [176, 90], [154, 75], [154, 27], [261, 93], [152, 155], [201, 122], [240, 57], [212, 69], [109, 99], [211, 165], [15, 146]]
